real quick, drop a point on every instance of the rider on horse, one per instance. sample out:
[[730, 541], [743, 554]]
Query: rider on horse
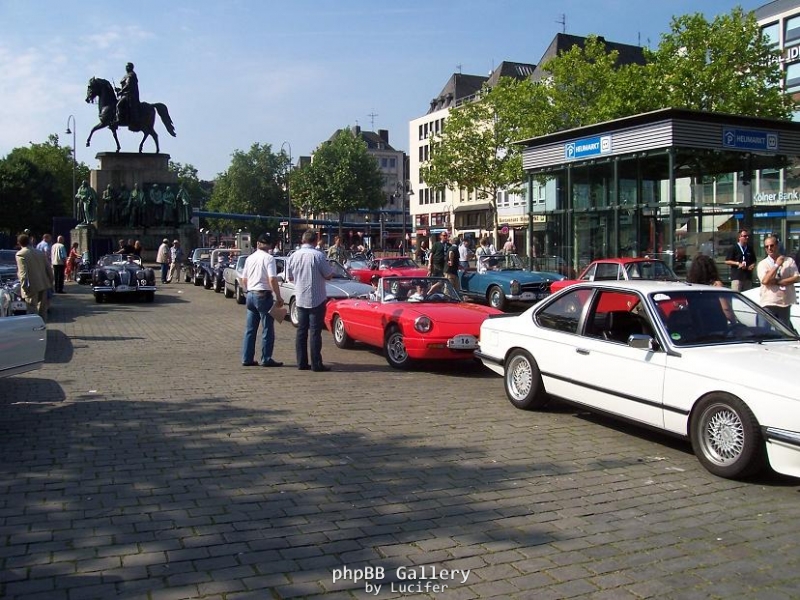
[[128, 93]]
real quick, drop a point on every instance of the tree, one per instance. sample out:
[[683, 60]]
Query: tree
[[726, 65], [476, 151], [342, 177], [250, 186], [187, 177]]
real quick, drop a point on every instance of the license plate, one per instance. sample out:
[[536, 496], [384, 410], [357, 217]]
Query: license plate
[[463, 342], [122, 288], [527, 296], [19, 305]]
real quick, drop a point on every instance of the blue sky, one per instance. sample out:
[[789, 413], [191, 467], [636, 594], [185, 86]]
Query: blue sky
[[238, 72]]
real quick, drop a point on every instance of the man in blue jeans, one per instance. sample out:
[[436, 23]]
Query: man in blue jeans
[[309, 268], [260, 279]]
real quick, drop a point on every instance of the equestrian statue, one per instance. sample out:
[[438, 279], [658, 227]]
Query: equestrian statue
[[126, 110]]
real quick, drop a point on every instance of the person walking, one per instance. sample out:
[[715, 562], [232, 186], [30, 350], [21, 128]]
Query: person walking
[[176, 262], [58, 259], [73, 259], [162, 258], [44, 245], [35, 275], [309, 269], [742, 260], [260, 280], [777, 274]]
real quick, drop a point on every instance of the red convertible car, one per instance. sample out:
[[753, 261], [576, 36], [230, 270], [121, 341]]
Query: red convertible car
[[412, 319], [397, 266], [620, 269]]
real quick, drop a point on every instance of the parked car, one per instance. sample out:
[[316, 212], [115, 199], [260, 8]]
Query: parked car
[[83, 271], [232, 280], [705, 363], [400, 266], [412, 319], [794, 311], [122, 276], [501, 278], [621, 269], [23, 342], [342, 285], [220, 259], [198, 266]]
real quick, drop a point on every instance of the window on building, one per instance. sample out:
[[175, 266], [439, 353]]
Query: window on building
[[419, 132], [791, 33], [793, 77], [384, 163], [772, 33], [392, 163], [539, 195]]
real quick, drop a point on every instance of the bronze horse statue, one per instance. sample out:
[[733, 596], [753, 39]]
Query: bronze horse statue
[[144, 120]]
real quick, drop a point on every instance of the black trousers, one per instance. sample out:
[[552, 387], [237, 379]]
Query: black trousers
[[58, 275]]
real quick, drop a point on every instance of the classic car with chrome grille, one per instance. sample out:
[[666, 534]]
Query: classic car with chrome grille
[[412, 318], [501, 279], [120, 276], [701, 362]]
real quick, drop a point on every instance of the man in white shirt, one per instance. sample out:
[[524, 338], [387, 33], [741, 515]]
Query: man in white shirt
[[260, 280], [58, 258]]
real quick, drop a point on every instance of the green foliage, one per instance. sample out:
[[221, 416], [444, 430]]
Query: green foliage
[[36, 185], [198, 191], [343, 177], [723, 66], [252, 185]]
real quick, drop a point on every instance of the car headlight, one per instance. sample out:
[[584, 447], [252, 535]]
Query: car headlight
[[423, 324], [516, 288]]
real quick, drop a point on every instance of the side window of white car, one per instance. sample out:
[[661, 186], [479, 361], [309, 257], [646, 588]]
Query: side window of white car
[[564, 313]]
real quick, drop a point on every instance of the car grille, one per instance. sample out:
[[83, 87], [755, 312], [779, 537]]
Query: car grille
[[125, 277], [537, 288]]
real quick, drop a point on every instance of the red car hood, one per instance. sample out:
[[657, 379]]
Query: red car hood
[[454, 314]]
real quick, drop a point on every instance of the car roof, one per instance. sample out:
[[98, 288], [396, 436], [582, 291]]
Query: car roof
[[646, 286]]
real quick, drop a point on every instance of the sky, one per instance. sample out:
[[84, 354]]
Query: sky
[[288, 74]]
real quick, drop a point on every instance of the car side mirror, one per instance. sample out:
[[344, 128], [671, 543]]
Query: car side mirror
[[643, 342]]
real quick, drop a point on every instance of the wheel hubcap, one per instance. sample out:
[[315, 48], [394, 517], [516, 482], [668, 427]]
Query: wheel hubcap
[[519, 378], [396, 348], [339, 330], [724, 435]]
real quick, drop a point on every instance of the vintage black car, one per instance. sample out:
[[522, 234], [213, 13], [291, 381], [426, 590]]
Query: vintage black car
[[84, 269], [198, 269], [220, 259], [123, 276]]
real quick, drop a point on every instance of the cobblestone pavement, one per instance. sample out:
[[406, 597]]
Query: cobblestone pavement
[[143, 461]]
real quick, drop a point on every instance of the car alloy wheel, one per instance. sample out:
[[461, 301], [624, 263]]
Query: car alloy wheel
[[523, 381], [240, 298], [294, 315], [395, 349], [340, 337], [207, 281], [497, 298], [726, 437]]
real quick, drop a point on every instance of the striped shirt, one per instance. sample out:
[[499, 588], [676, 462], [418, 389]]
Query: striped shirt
[[309, 268]]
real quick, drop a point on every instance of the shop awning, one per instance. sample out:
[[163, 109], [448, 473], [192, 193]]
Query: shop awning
[[472, 206]]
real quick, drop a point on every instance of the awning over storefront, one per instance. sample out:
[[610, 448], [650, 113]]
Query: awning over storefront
[[472, 206]]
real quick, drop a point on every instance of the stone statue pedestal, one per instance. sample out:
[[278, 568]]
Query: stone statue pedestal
[[129, 168]]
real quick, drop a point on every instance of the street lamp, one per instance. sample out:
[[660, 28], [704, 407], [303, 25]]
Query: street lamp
[[73, 132], [404, 191], [288, 197]]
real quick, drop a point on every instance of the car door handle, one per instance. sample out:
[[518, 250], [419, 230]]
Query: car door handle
[[582, 351]]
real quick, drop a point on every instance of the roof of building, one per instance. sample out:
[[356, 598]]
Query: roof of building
[[375, 140], [563, 42], [771, 9]]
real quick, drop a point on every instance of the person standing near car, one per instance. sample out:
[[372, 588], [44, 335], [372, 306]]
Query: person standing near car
[[35, 276], [176, 262], [742, 260], [337, 251], [438, 256], [162, 258], [309, 269], [451, 266], [58, 258], [777, 274], [260, 281]]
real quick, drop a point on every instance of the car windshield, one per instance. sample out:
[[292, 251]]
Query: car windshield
[[650, 269], [339, 272], [119, 259], [201, 254], [418, 289], [397, 263], [500, 262], [711, 317]]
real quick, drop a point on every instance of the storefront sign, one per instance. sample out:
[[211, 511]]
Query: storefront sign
[[592, 146], [777, 197], [791, 55], [749, 139]]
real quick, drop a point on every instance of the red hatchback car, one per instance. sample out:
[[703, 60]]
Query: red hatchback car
[[621, 269]]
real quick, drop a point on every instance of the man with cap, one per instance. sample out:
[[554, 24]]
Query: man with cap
[[162, 258], [176, 260], [260, 281]]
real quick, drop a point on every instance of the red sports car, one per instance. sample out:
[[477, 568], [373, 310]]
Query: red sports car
[[399, 266], [411, 318], [620, 269]]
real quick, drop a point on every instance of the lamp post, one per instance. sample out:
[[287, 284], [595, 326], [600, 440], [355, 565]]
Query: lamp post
[[404, 191], [73, 132], [288, 197]]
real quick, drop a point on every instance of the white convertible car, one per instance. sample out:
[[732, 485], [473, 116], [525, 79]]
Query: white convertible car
[[23, 341], [702, 362]]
